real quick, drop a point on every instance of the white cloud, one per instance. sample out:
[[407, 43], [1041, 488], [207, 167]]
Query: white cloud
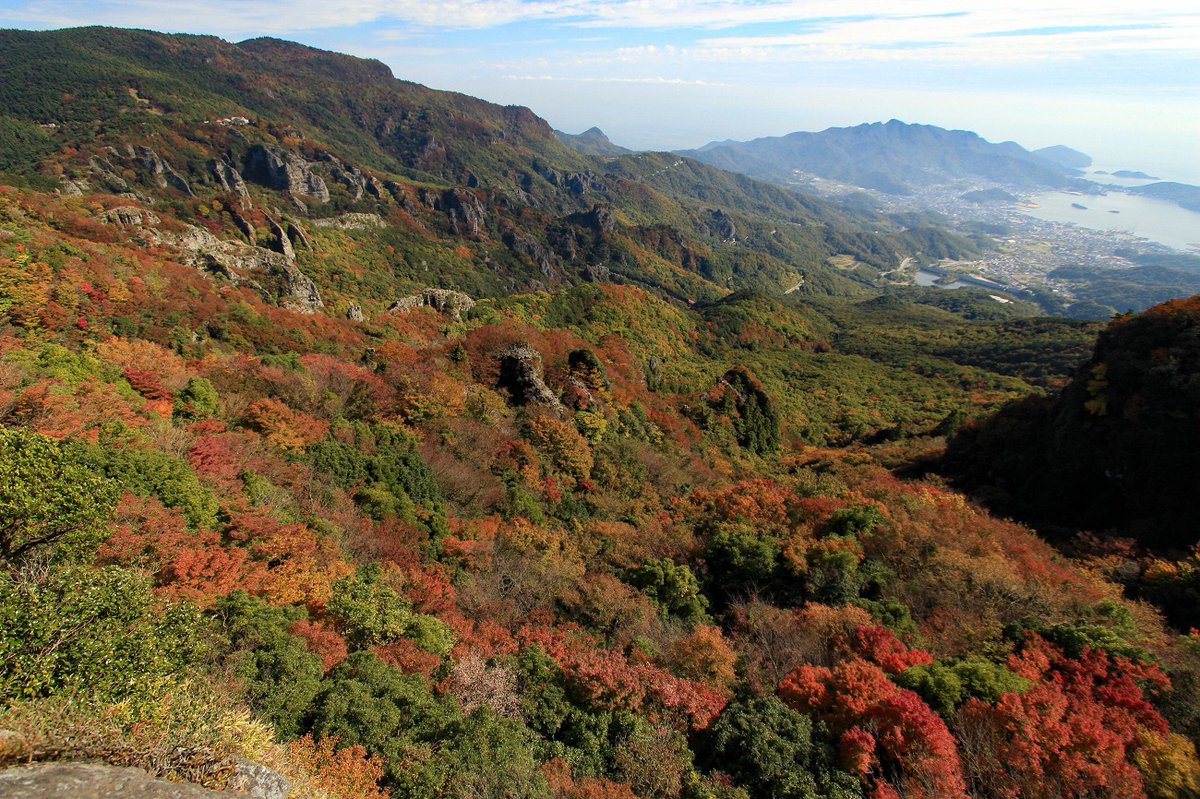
[[933, 31]]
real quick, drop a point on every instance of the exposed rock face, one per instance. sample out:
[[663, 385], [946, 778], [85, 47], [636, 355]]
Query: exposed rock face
[[273, 275], [546, 260], [577, 183], [466, 212], [521, 375], [127, 216], [244, 226], [353, 178], [350, 221], [160, 171], [601, 218], [597, 273], [354, 313], [74, 188], [230, 181], [280, 241], [277, 168], [453, 303], [104, 169], [298, 236]]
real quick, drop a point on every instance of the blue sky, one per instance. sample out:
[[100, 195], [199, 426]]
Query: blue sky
[[1119, 80]]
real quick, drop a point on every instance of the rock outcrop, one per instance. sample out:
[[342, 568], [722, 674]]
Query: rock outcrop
[[452, 303], [722, 226], [273, 275], [160, 171], [277, 168], [463, 208], [577, 183], [230, 181], [298, 236], [547, 261], [279, 240], [106, 172], [521, 376], [349, 221], [127, 216], [353, 178], [254, 781], [93, 781]]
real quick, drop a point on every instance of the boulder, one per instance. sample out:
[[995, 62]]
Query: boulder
[[257, 782], [92, 781]]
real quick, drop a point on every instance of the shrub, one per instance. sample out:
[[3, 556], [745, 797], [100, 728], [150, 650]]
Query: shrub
[[92, 632]]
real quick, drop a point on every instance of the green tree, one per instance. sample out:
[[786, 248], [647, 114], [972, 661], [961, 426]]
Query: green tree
[[282, 677], [49, 498], [394, 715], [674, 588], [947, 685], [197, 400], [774, 752]]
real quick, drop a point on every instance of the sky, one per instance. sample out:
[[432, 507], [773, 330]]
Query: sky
[[1117, 79]]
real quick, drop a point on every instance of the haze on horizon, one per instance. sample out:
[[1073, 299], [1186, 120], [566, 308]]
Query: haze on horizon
[[1118, 81]]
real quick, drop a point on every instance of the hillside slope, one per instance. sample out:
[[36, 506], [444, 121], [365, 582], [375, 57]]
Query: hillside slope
[[1115, 450], [188, 120]]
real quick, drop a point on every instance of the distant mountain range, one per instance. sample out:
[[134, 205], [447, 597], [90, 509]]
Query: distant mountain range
[[895, 157]]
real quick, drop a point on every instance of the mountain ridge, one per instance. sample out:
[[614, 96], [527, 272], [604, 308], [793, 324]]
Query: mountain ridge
[[893, 157]]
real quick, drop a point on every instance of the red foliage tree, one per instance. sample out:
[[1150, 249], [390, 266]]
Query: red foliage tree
[[285, 428], [883, 730], [322, 641], [1075, 733]]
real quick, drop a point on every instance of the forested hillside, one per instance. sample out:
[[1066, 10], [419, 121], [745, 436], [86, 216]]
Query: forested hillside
[[368, 433]]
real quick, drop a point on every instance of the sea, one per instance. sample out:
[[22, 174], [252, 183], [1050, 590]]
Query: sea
[[1156, 220]]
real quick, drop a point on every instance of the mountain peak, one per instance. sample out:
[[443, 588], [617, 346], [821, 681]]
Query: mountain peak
[[592, 141]]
